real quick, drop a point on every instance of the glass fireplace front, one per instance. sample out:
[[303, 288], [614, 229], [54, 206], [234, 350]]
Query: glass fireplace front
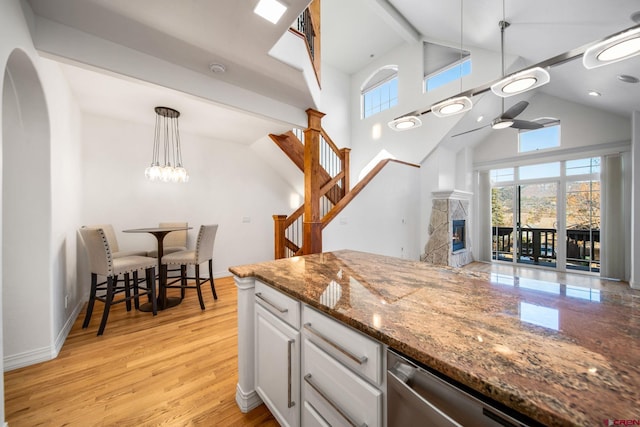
[[458, 234]]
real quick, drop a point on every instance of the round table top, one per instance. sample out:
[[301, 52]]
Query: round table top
[[155, 229]]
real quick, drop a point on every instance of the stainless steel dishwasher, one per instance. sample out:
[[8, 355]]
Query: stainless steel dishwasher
[[415, 396]]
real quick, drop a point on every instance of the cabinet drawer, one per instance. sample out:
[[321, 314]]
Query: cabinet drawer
[[338, 396], [354, 349], [279, 304], [311, 417]]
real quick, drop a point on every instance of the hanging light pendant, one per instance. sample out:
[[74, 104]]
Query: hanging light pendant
[[167, 135], [458, 104], [452, 106]]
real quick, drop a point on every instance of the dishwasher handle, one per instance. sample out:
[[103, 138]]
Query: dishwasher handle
[[409, 396]]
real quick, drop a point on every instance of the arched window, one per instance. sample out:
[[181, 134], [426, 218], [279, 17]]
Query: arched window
[[380, 91]]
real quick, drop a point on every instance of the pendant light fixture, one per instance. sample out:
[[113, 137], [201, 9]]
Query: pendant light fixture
[[458, 104], [613, 49], [521, 81], [405, 123], [167, 135]]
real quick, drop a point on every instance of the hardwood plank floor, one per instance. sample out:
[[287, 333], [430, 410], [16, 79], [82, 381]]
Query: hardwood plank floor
[[178, 368]]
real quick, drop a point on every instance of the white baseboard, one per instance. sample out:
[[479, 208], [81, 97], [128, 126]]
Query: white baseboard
[[42, 354]]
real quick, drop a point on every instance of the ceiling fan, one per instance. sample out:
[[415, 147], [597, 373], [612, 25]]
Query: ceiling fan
[[508, 118]]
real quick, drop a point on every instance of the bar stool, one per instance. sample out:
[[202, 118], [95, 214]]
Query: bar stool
[[102, 263], [203, 252]]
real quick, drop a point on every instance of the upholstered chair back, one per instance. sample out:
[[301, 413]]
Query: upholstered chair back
[[110, 234], [175, 238], [204, 245], [97, 246]]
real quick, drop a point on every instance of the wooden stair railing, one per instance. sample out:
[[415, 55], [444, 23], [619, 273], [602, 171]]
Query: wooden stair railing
[[307, 27], [332, 161], [326, 183], [338, 207]]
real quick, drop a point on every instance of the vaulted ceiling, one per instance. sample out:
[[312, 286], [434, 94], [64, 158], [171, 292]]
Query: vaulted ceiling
[[195, 33]]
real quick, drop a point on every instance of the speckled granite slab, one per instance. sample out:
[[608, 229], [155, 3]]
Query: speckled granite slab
[[559, 354]]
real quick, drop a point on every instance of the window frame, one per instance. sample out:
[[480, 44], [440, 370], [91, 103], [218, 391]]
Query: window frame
[[365, 89], [458, 63]]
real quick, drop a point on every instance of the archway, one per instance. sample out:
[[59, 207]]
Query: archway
[[26, 215]]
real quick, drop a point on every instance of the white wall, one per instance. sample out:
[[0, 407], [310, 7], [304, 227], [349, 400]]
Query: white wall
[[66, 200], [334, 102], [372, 134], [580, 127], [228, 184], [635, 202], [383, 218], [14, 34]]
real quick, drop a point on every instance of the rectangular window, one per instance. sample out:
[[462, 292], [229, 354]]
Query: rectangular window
[[546, 170], [380, 98], [501, 175], [583, 166], [539, 139], [441, 78]]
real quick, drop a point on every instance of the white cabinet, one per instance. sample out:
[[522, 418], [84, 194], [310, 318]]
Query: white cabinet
[[277, 358], [342, 374], [311, 370]]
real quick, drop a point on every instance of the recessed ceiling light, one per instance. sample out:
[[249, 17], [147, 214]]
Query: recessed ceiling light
[[479, 119], [627, 78], [594, 93], [271, 10], [217, 68]]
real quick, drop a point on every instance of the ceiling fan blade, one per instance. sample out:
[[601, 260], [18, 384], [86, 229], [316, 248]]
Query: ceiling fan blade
[[525, 124], [469, 131], [516, 109]]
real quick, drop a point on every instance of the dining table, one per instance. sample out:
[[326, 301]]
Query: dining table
[[163, 301]]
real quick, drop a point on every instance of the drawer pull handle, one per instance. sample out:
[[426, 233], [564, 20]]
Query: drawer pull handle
[[334, 405], [358, 359], [290, 403], [277, 307]]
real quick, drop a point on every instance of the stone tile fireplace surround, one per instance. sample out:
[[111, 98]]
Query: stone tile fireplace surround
[[448, 206]]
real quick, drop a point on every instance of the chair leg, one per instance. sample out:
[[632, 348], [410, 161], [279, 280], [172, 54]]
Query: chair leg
[[136, 290], [183, 281], [127, 290], [92, 300], [107, 304], [151, 288], [198, 287], [213, 287]]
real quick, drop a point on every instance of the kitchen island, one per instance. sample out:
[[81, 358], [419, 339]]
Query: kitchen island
[[558, 354]]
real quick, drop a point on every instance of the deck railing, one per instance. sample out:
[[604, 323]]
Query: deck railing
[[539, 246]]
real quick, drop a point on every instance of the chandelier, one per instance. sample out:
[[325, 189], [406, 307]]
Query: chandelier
[[168, 136]]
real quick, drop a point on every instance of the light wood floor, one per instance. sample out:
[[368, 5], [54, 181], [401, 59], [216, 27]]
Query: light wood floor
[[176, 369]]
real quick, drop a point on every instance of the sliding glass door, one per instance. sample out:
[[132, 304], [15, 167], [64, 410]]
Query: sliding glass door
[[547, 215], [583, 215], [537, 223]]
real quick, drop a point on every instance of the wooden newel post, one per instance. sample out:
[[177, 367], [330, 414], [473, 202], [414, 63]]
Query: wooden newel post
[[312, 240], [279, 235], [346, 152]]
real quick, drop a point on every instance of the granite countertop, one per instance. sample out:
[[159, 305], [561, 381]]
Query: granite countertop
[[559, 354]]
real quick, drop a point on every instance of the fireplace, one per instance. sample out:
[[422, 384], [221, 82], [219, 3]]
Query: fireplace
[[449, 229], [458, 234]]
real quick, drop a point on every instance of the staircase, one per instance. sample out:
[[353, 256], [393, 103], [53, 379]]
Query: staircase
[[326, 187], [326, 183]]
